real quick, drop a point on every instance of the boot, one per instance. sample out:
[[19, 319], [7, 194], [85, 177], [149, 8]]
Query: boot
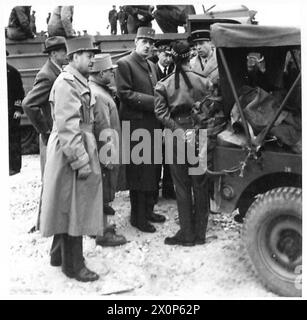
[[150, 215], [110, 239]]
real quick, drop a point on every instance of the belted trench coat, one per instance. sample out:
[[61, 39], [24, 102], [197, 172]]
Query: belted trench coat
[[71, 205]]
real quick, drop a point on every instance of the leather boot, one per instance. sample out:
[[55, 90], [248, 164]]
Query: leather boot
[[142, 222]]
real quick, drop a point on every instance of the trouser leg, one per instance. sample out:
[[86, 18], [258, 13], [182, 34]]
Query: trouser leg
[[72, 255], [141, 208], [182, 182], [133, 203], [55, 252], [149, 202], [201, 201]]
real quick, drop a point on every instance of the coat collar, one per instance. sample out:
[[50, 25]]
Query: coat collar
[[55, 69], [77, 75], [141, 61]]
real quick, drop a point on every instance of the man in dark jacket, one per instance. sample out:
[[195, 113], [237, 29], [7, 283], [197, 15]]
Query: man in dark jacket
[[19, 24], [170, 17], [15, 96], [135, 81], [113, 20], [36, 103], [138, 16], [122, 18]]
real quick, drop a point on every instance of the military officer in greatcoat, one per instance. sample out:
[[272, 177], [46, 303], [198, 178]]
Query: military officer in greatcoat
[[108, 136], [205, 61], [174, 98], [135, 81], [72, 199]]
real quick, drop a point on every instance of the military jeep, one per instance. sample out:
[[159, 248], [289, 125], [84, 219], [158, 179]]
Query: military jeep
[[255, 172]]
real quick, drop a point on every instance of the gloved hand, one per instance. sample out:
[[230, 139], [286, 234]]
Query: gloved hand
[[84, 172]]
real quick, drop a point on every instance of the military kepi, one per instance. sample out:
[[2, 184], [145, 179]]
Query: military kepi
[[145, 33], [81, 44], [54, 43], [103, 62], [200, 35]]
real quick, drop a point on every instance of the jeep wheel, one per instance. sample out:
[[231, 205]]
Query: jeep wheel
[[29, 140], [272, 233]]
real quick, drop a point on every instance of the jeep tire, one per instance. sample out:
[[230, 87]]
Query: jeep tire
[[272, 234]]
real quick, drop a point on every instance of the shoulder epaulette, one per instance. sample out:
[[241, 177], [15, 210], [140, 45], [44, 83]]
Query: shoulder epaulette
[[68, 76]]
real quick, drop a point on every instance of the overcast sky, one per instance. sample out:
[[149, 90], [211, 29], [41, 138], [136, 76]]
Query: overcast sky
[[92, 15]]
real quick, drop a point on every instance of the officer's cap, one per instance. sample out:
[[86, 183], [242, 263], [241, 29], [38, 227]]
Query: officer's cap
[[102, 62], [200, 35], [145, 33]]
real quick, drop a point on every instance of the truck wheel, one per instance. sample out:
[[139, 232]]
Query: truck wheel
[[29, 140], [272, 233]]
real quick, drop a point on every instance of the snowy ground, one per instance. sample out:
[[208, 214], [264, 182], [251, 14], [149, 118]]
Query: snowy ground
[[144, 267]]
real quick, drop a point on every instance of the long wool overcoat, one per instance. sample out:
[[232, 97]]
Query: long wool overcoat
[[135, 81], [71, 205]]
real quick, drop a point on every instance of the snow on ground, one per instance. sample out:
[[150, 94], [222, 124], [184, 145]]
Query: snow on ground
[[143, 267]]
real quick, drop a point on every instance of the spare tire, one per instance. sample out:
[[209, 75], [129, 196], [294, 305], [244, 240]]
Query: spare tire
[[272, 234]]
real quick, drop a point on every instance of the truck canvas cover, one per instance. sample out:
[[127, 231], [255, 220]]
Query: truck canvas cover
[[238, 35]]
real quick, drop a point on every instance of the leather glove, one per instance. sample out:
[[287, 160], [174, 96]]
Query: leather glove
[[84, 172]]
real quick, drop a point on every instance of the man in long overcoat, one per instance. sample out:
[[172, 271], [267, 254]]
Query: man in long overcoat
[[113, 17], [15, 95], [36, 103], [106, 121], [72, 195], [135, 81]]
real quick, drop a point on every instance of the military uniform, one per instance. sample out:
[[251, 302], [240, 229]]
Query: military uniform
[[173, 108], [15, 96], [135, 81], [113, 21], [71, 207], [206, 66]]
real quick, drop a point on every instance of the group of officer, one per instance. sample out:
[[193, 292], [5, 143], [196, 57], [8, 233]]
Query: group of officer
[[73, 100]]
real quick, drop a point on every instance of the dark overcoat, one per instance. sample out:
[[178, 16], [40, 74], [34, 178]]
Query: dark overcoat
[[135, 81], [15, 96]]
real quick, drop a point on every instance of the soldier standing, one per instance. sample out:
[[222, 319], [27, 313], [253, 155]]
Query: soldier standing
[[36, 103], [106, 117], [15, 95], [113, 20], [135, 81], [72, 203], [205, 61], [174, 98], [122, 18], [33, 22]]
